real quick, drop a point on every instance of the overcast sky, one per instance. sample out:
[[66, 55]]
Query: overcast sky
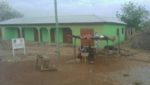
[[40, 8]]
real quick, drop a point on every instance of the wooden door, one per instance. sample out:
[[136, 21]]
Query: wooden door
[[18, 32], [52, 35], [41, 35], [86, 35], [23, 33], [66, 36], [36, 35]]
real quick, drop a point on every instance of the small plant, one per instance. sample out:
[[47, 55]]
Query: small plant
[[138, 83]]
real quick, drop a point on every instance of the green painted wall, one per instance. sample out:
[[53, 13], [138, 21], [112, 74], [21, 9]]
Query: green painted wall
[[76, 30], [60, 34], [111, 31], [28, 34], [10, 33], [101, 29], [45, 36]]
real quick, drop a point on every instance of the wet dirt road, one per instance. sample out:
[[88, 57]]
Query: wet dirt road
[[116, 71]]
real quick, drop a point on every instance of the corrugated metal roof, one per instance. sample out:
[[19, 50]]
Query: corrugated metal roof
[[62, 19]]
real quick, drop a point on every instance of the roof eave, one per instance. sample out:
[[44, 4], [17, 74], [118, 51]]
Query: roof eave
[[64, 23]]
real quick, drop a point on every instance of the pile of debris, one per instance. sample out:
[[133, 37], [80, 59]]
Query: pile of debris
[[141, 40], [43, 63], [114, 51]]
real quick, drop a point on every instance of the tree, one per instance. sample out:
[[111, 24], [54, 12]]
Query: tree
[[7, 12], [146, 26], [133, 14]]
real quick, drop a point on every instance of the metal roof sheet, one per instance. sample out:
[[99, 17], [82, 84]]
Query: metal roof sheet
[[62, 19]]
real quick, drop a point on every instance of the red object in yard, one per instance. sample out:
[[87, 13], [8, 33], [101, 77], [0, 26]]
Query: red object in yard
[[86, 35]]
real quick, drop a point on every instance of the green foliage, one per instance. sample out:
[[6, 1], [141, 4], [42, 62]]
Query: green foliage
[[133, 14], [146, 25], [7, 12]]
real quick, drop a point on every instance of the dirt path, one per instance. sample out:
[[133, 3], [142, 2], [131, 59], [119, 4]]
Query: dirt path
[[107, 70]]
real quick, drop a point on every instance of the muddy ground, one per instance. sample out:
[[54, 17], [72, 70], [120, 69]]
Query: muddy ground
[[106, 70]]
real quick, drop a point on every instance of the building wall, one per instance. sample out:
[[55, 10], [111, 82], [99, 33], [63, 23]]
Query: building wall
[[102, 29], [45, 36], [28, 34], [111, 31], [130, 33], [10, 33], [60, 34]]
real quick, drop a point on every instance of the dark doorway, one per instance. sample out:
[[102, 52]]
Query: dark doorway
[[67, 32], [36, 35], [41, 35], [118, 32], [18, 32], [23, 33], [52, 35]]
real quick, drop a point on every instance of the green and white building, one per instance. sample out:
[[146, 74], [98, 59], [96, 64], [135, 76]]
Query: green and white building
[[42, 29]]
